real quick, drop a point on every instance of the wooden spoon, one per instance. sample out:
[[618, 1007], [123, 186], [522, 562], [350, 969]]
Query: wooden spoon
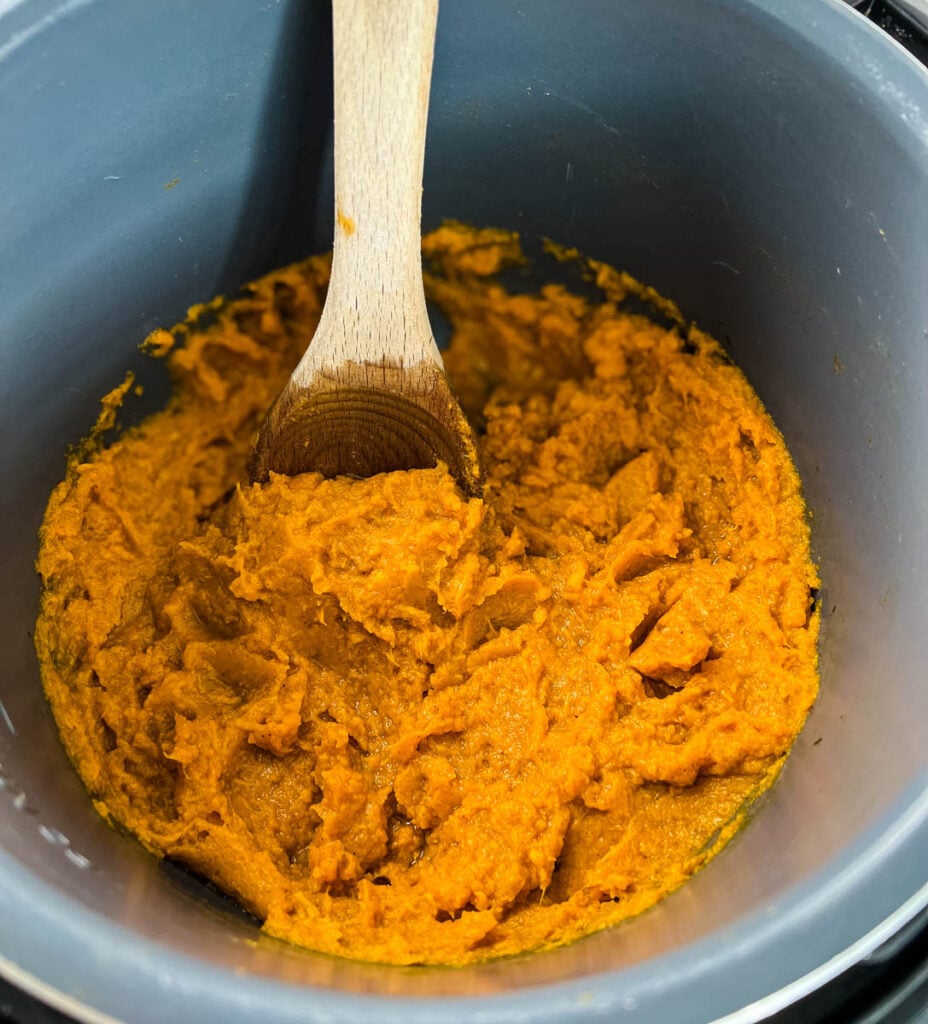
[[370, 395]]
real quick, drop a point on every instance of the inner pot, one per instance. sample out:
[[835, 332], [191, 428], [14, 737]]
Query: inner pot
[[763, 162]]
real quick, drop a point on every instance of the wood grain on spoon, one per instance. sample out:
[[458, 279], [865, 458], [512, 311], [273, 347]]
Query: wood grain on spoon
[[370, 395]]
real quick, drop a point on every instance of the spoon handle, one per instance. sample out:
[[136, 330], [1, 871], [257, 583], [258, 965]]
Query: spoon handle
[[375, 310]]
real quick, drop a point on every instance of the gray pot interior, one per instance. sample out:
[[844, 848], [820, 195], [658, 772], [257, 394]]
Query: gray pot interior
[[763, 163]]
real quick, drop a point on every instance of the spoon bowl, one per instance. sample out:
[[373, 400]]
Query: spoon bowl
[[368, 419]]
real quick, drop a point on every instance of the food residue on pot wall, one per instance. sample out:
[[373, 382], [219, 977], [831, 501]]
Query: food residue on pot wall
[[404, 726]]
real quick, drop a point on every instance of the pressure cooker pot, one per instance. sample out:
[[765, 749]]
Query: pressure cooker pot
[[762, 162]]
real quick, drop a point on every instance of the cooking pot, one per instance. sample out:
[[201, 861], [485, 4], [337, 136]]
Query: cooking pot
[[763, 162]]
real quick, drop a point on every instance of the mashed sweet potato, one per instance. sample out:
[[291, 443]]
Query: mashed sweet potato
[[403, 726]]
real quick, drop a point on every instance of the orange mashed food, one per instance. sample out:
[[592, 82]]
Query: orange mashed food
[[404, 726]]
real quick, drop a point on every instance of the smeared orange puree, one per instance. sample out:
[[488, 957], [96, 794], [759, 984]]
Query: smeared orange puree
[[403, 726]]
